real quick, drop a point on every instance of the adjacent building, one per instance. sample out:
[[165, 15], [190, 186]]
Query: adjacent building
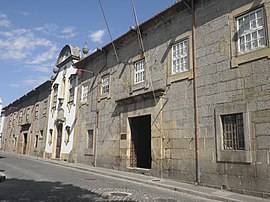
[[2, 118], [62, 106], [25, 124], [185, 95]]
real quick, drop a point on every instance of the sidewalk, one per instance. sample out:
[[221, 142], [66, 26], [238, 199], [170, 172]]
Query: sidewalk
[[205, 192], [201, 191]]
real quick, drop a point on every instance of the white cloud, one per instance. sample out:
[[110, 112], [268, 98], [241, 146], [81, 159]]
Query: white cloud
[[97, 36], [21, 44], [30, 82], [52, 29], [45, 56], [4, 21], [68, 32]]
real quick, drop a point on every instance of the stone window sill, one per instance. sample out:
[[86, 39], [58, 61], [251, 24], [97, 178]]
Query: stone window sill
[[180, 76], [251, 56]]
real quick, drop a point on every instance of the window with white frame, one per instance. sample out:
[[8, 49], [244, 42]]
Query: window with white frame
[[105, 85], [251, 31], [84, 93], [139, 72], [180, 57]]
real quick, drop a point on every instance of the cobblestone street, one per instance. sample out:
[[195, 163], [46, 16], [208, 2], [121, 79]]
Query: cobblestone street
[[32, 180]]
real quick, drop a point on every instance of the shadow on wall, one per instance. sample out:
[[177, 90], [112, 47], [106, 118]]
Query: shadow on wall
[[29, 190]]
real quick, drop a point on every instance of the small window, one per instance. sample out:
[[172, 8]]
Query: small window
[[36, 111], [180, 57], [41, 133], [105, 85], [233, 132], [20, 116], [28, 114], [90, 139], [84, 93], [251, 31], [36, 141], [45, 105], [68, 132], [55, 93], [72, 88], [139, 72]]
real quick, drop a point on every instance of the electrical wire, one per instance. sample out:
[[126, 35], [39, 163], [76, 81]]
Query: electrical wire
[[108, 29]]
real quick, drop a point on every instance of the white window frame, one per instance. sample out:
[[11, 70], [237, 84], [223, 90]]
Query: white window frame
[[105, 85], [180, 57], [84, 93], [139, 71], [254, 37]]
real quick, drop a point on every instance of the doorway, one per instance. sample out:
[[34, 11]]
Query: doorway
[[59, 140], [24, 142], [140, 151]]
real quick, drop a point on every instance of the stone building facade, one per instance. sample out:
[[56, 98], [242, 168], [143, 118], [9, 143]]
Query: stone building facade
[[184, 97], [25, 124], [140, 113], [2, 118]]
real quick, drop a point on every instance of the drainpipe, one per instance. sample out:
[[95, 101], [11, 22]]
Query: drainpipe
[[197, 168]]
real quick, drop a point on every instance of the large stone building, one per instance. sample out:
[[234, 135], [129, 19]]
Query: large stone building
[[148, 110], [184, 96], [26, 121]]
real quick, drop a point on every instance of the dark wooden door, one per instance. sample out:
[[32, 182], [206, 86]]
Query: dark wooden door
[[24, 143], [59, 140]]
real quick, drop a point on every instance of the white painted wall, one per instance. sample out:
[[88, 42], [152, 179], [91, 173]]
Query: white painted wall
[[69, 111]]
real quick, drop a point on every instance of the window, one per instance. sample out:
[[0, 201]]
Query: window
[[50, 136], [28, 114], [90, 139], [68, 132], [45, 105], [139, 73], [36, 141], [84, 93], [36, 111], [72, 80], [105, 85], [180, 57], [55, 92], [20, 116], [233, 132], [251, 31], [41, 133]]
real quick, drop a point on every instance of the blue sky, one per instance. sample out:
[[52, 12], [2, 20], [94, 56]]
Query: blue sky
[[32, 33]]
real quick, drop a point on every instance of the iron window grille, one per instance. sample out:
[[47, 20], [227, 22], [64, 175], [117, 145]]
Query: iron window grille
[[180, 57], [251, 31], [233, 132], [139, 72]]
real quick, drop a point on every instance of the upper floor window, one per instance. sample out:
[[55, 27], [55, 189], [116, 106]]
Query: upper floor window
[[251, 31], [28, 114], [84, 93], [36, 110], [139, 71], [180, 57], [20, 116], [45, 105], [55, 92], [105, 85], [72, 80]]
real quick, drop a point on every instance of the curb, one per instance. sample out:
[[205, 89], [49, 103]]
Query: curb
[[2, 177], [169, 187]]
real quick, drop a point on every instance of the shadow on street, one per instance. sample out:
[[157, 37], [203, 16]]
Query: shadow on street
[[29, 190]]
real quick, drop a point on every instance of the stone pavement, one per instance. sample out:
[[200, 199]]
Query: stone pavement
[[201, 191]]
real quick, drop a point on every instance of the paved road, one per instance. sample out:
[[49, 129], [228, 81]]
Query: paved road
[[33, 180]]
